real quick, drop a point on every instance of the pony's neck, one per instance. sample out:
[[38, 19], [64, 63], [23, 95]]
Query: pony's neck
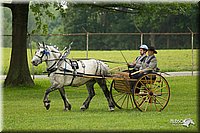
[[52, 61], [51, 64]]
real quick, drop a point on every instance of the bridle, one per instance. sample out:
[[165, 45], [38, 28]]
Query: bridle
[[46, 53]]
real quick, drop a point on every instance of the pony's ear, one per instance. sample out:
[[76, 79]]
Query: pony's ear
[[43, 44], [67, 52], [38, 45]]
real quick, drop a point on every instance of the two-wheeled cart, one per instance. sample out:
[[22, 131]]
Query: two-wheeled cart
[[149, 92]]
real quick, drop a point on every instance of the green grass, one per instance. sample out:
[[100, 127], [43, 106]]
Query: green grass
[[23, 110], [168, 60]]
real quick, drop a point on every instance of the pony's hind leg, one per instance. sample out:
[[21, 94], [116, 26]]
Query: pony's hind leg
[[66, 102], [102, 84], [91, 94]]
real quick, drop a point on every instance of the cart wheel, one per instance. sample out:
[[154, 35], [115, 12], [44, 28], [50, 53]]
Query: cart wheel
[[121, 94], [151, 92]]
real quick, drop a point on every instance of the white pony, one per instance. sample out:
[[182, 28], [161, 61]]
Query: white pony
[[63, 72]]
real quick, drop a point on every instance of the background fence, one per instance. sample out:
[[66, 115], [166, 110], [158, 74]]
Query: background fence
[[115, 41]]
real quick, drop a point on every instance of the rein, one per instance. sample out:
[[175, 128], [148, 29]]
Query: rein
[[116, 62]]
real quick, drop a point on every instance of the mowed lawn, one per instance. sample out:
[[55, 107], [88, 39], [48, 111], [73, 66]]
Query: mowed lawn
[[168, 60], [23, 110]]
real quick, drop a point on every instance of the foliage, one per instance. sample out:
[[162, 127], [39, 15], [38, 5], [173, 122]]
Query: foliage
[[171, 17], [24, 111], [7, 26], [41, 9], [49, 17]]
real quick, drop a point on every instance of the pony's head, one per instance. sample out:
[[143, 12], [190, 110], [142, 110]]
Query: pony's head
[[45, 53]]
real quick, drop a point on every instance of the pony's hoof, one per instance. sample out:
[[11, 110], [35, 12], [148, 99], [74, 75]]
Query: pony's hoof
[[111, 109], [47, 104], [83, 108], [47, 107], [68, 108]]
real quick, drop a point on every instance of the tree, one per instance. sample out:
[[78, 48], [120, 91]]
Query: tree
[[19, 73]]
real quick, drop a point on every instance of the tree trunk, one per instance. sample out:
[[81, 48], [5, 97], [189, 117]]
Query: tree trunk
[[19, 74]]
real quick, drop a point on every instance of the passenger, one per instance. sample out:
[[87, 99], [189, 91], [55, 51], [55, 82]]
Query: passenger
[[137, 63]]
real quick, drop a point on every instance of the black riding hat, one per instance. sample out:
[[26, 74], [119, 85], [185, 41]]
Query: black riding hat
[[151, 48]]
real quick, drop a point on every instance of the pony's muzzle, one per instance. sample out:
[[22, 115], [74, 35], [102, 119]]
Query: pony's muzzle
[[34, 63]]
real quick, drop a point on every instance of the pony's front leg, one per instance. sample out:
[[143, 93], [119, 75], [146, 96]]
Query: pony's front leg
[[46, 100], [66, 102]]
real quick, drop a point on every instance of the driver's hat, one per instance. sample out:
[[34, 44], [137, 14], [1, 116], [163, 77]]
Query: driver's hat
[[143, 46]]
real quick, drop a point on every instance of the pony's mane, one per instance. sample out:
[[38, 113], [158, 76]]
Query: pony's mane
[[52, 48]]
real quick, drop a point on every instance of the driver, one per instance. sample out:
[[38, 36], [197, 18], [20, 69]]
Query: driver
[[137, 63]]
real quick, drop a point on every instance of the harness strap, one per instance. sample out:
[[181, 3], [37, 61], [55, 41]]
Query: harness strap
[[52, 68], [74, 66], [97, 67], [83, 65]]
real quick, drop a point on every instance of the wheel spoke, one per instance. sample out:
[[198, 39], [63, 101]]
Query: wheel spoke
[[162, 98], [144, 85], [124, 100], [159, 102], [147, 104], [159, 88], [120, 97], [127, 100], [143, 101], [115, 95], [131, 101], [151, 80], [155, 104]]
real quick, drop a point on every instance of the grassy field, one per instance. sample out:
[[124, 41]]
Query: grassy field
[[168, 60], [23, 110]]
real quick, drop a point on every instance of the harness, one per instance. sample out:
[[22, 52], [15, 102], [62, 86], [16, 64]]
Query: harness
[[51, 68], [74, 65], [44, 52]]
